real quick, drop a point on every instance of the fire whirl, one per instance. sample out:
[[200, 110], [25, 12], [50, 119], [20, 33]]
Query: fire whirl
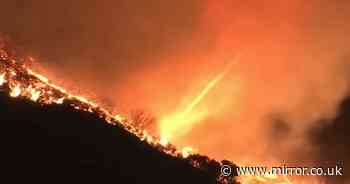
[[182, 120], [19, 81]]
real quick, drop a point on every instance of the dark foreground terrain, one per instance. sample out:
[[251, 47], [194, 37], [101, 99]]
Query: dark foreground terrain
[[45, 144], [56, 143]]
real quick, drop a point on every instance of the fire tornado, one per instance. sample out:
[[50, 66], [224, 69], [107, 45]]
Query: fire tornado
[[179, 123], [281, 103]]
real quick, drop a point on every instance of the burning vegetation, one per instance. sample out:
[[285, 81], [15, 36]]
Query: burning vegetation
[[19, 81]]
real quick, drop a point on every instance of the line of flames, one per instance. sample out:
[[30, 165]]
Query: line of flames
[[22, 81]]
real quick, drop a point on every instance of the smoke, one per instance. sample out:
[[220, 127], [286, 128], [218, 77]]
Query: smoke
[[156, 56], [294, 73]]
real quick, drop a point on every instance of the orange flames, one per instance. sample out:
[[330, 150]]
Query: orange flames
[[15, 91], [2, 79], [179, 123], [22, 82]]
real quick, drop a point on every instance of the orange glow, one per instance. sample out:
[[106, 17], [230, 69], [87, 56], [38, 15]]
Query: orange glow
[[119, 118], [266, 180], [15, 91], [33, 93], [187, 151], [163, 141], [2, 79], [292, 71], [59, 101], [39, 89], [179, 123], [277, 179], [24, 82]]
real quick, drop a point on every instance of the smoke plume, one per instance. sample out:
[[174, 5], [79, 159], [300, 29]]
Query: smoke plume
[[156, 56]]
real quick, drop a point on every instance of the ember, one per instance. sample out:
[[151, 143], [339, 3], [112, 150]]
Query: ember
[[15, 91]]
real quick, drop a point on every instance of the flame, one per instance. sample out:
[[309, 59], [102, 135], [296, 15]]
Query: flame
[[15, 91], [59, 101], [2, 79], [187, 151], [164, 141], [173, 124], [34, 94], [24, 82]]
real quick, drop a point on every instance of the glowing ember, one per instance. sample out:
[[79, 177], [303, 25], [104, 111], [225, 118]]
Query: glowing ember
[[149, 139], [119, 118], [40, 77], [2, 79], [59, 101], [163, 141], [187, 151], [34, 94], [15, 91]]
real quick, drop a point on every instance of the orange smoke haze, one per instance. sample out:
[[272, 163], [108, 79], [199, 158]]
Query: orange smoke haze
[[291, 71], [290, 76]]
